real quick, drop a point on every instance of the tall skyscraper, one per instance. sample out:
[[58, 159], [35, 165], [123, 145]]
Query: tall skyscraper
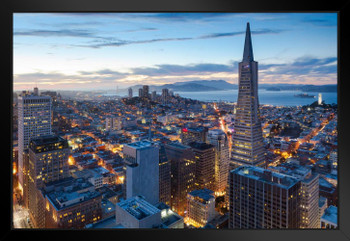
[[142, 170], [154, 95], [183, 169], [140, 92], [218, 138], [145, 91], [34, 120], [164, 176], [130, 92], [36, 91], [248, 147], [165, 96], [262, 199]]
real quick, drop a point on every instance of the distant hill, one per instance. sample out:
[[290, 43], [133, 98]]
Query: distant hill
[[192, 86], [215, 85]]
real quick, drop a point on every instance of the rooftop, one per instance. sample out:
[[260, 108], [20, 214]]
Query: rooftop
[[200, 145], [167, 215], [138, 207], [66, 193], [331, 215], [47, 139], [107, 223], [140, 144], [203, 195], [178, 145], [267, 176], [216, 132], [295, 170]]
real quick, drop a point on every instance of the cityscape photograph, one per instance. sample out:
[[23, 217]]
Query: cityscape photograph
[[174, 120]]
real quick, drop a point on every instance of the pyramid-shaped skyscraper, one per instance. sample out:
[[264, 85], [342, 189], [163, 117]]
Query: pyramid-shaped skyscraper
[[248, 147]]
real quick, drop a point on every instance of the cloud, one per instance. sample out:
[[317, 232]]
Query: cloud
[[320, 22], [140, 29], [302, 70], [171, 69], [56, 33], [229, 34], [109, 42], [176, 17], [75, 80], [303, 66], [118, 43]]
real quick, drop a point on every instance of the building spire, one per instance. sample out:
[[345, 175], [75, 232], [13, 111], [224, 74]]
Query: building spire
[[248, 49]]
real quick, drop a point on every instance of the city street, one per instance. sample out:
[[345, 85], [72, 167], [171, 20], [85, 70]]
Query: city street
[[20, 214]]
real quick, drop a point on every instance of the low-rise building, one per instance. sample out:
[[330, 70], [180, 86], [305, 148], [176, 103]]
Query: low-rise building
[[200, 207], [71, 203], [329, 219]]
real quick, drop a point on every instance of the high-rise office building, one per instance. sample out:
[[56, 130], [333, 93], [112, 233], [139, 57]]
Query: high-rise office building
[[36, 91], [34, 120], [309, 192], [183, 168], [142, 170], [154, 95], [189, 135], [218, 138], [145, 91], [130, 92], [248, 147], [263, 199], [140, 92], [165, 96], [48, 162], [205, 158], [164, 176]]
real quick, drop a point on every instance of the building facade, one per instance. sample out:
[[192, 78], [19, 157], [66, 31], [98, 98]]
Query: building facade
[[114, 123], [309, 192], [34, 120], [218, 138], [200, 207], [70, 204], [183, 168], [205, 158], [165, 96], [164, 176], [145, 91], [142, 170], [48, 162], [262, 199]]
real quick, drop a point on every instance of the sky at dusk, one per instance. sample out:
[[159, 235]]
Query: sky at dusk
[[95, 51]]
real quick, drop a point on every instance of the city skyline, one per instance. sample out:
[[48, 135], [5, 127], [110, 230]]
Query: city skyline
[[166, 161], [85, 51]]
